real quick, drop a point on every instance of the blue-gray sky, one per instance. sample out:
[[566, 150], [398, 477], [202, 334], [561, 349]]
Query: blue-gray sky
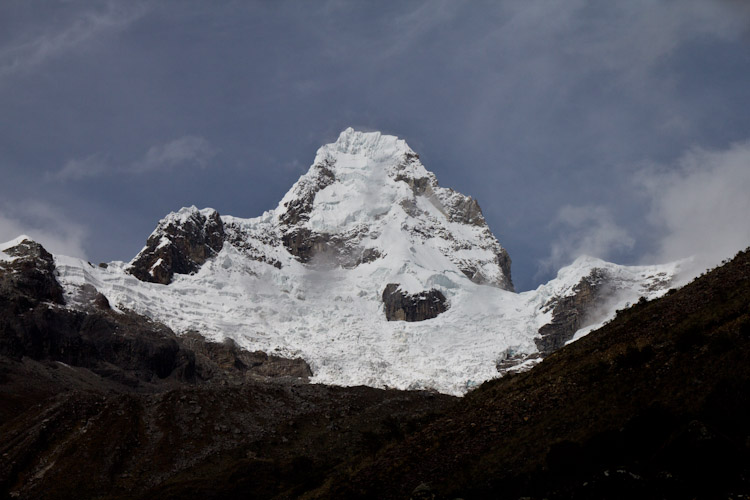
[[618, 129]]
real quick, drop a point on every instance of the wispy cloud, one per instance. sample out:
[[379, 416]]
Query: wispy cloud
[[186, 152], [701, 205], [91, 166], [699, 208], [585, 230], [24, 55], [45, 224]]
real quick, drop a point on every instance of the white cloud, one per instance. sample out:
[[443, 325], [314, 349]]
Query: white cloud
[[186, 152], [699, 209], [91, 166], [44, 224], [701, 205], [585, 230]]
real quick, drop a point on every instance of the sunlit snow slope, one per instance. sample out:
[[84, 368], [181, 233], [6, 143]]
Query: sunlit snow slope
[[307, 278]]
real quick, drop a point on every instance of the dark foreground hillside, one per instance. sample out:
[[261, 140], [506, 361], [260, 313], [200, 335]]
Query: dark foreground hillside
[[100, 404], [654, 405]]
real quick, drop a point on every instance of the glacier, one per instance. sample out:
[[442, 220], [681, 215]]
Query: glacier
[[306, 279]]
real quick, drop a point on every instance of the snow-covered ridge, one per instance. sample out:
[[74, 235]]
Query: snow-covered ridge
[[334, 318], [372, 145], [307, 278], [10, 244]]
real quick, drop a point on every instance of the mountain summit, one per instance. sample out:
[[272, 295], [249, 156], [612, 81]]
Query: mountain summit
[[368, 270], [366, 198]]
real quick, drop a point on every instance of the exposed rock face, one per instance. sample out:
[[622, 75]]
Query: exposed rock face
[[571, 313], [123, 346], [502, 260], [328, 250], [181, 243], [88, 298], [401, 306], [304, 244], [298, 239], [299, 206], [256, 244], [228, 358], [30, 275], [309, 246]]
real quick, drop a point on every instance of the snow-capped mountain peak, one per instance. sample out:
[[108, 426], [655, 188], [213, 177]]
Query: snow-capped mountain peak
[[369, 195], [369, 270], [368, 144]]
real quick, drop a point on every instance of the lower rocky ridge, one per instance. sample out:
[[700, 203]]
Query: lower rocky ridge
[[573, 312], [570, 313], [120, 346], [585, 306]]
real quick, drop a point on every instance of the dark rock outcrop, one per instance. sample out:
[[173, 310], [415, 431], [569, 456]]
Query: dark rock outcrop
[[298, 210], [401, 306], [309, 246], [466, 211], [502, 259], [179, 245], [229, 361], [304, 244], [313, 247], [328, 250], [30, 275], [569, 314], [122, 346], [252, 245]]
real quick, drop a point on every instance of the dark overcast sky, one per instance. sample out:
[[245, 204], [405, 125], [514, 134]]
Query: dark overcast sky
[[618, 129]]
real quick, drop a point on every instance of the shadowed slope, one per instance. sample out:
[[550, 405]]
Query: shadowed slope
[[654, 405]]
